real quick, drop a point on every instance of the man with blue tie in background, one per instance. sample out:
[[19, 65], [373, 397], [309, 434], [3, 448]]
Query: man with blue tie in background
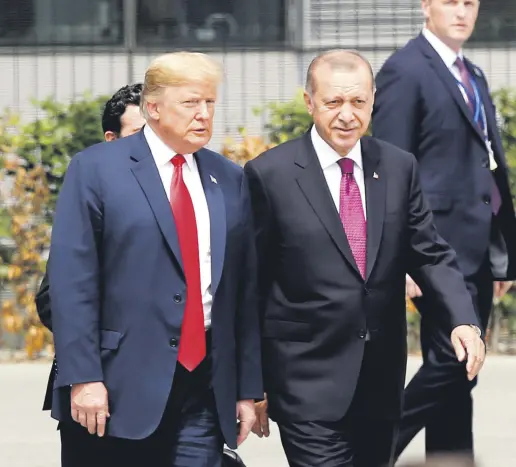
[[152, 285], [435, 103]]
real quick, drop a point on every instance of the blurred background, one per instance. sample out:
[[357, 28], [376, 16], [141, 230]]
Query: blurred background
[[60, 60]]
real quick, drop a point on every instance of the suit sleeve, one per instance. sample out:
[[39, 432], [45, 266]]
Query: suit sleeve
[[396, 114], [262, 222], [43, 303], [73, 274], [248, 335], [432, 263]]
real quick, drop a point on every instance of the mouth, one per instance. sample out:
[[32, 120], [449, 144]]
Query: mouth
[[200, 131], [345, 130]]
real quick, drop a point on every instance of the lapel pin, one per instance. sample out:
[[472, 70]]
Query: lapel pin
[[213, 179], [477, 72], [375, 175]]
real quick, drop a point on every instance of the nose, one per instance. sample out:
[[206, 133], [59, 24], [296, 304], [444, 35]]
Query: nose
[[346, 114], [461, 10], [203, 110]]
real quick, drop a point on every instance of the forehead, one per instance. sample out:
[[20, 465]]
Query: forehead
[[336, 79], [195, 88]]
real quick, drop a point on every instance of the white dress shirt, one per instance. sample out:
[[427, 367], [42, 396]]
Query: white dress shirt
[[162, 157], [447, 55], [328, 158]]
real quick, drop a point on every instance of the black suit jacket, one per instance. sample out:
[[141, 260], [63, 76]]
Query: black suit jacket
[[419, 108], [43, 303], [315, 306]]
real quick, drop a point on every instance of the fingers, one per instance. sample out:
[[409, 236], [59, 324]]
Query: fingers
[[458, 348], [476, 355], [261, 426], [101, 419], [245, 428], [83, 419], [91, 423], [411, 288]]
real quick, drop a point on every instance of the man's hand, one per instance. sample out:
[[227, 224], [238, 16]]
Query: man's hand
[[467, 342], [411, 288], [501, 288], [261, 426], [247, 416], [89, 403]]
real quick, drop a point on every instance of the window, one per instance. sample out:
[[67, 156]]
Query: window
[[496, 22], [67, 22], [210, 22]]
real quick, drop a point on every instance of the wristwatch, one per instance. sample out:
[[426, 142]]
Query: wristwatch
[[476, 329]]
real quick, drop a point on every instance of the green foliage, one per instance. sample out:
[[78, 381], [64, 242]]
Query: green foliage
[[59, 132], [286, 120], [505, 100]]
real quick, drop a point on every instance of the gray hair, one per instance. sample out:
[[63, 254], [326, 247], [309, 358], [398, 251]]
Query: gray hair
[[346, 59]]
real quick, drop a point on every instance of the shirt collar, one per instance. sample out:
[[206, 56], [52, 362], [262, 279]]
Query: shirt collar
[[328, 156], [161, 152], [447, 55]]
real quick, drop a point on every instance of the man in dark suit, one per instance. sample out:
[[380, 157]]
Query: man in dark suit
[[121, 117], [434, 103], [152, 286], [339, 218]]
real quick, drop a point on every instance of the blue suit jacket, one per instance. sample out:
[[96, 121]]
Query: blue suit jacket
[[118, 290], [419, 108]]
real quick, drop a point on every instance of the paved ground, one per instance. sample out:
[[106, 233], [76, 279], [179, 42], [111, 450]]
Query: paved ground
[[28, 437]]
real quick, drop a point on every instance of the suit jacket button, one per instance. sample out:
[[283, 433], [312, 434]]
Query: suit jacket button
[[173, 342], [362, 333], [177, 298], [366, 291], [486, 199]]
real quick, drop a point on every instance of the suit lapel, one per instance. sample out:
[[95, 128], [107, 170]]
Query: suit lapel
[[217, 209], [314, 187], [490, 115], [447, 78], [147, 175], [375, 188]]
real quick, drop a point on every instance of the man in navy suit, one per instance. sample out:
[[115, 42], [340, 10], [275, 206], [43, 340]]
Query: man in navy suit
[[121, 118], [152, 284], [435, 103]]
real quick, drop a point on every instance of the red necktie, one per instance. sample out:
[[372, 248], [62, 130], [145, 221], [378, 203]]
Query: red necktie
[[352, 214], [192, 347]]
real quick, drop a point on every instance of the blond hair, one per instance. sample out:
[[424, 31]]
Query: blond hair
[[175, 69]]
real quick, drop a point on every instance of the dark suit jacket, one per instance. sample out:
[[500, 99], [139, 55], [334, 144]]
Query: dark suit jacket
[[43, 303], [118, 290], [316, 307], [419, 108]]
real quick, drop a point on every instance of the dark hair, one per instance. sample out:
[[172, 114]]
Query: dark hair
[[115, 107]]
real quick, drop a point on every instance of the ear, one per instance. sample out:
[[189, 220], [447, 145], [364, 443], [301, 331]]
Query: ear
[[153, 110], [425, 6], [308, 102], [110, 136]]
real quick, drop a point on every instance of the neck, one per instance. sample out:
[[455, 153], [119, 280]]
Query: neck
[[162, 136], [454, 45]]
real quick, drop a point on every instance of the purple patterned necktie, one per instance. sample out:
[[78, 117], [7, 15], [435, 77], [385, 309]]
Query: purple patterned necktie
[[496, 198], [352, 214]]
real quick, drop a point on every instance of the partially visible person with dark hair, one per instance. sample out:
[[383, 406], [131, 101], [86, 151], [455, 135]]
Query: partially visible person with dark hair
[[122, 115]]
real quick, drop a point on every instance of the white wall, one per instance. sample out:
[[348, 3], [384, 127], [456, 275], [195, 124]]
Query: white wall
[[252, 78]]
